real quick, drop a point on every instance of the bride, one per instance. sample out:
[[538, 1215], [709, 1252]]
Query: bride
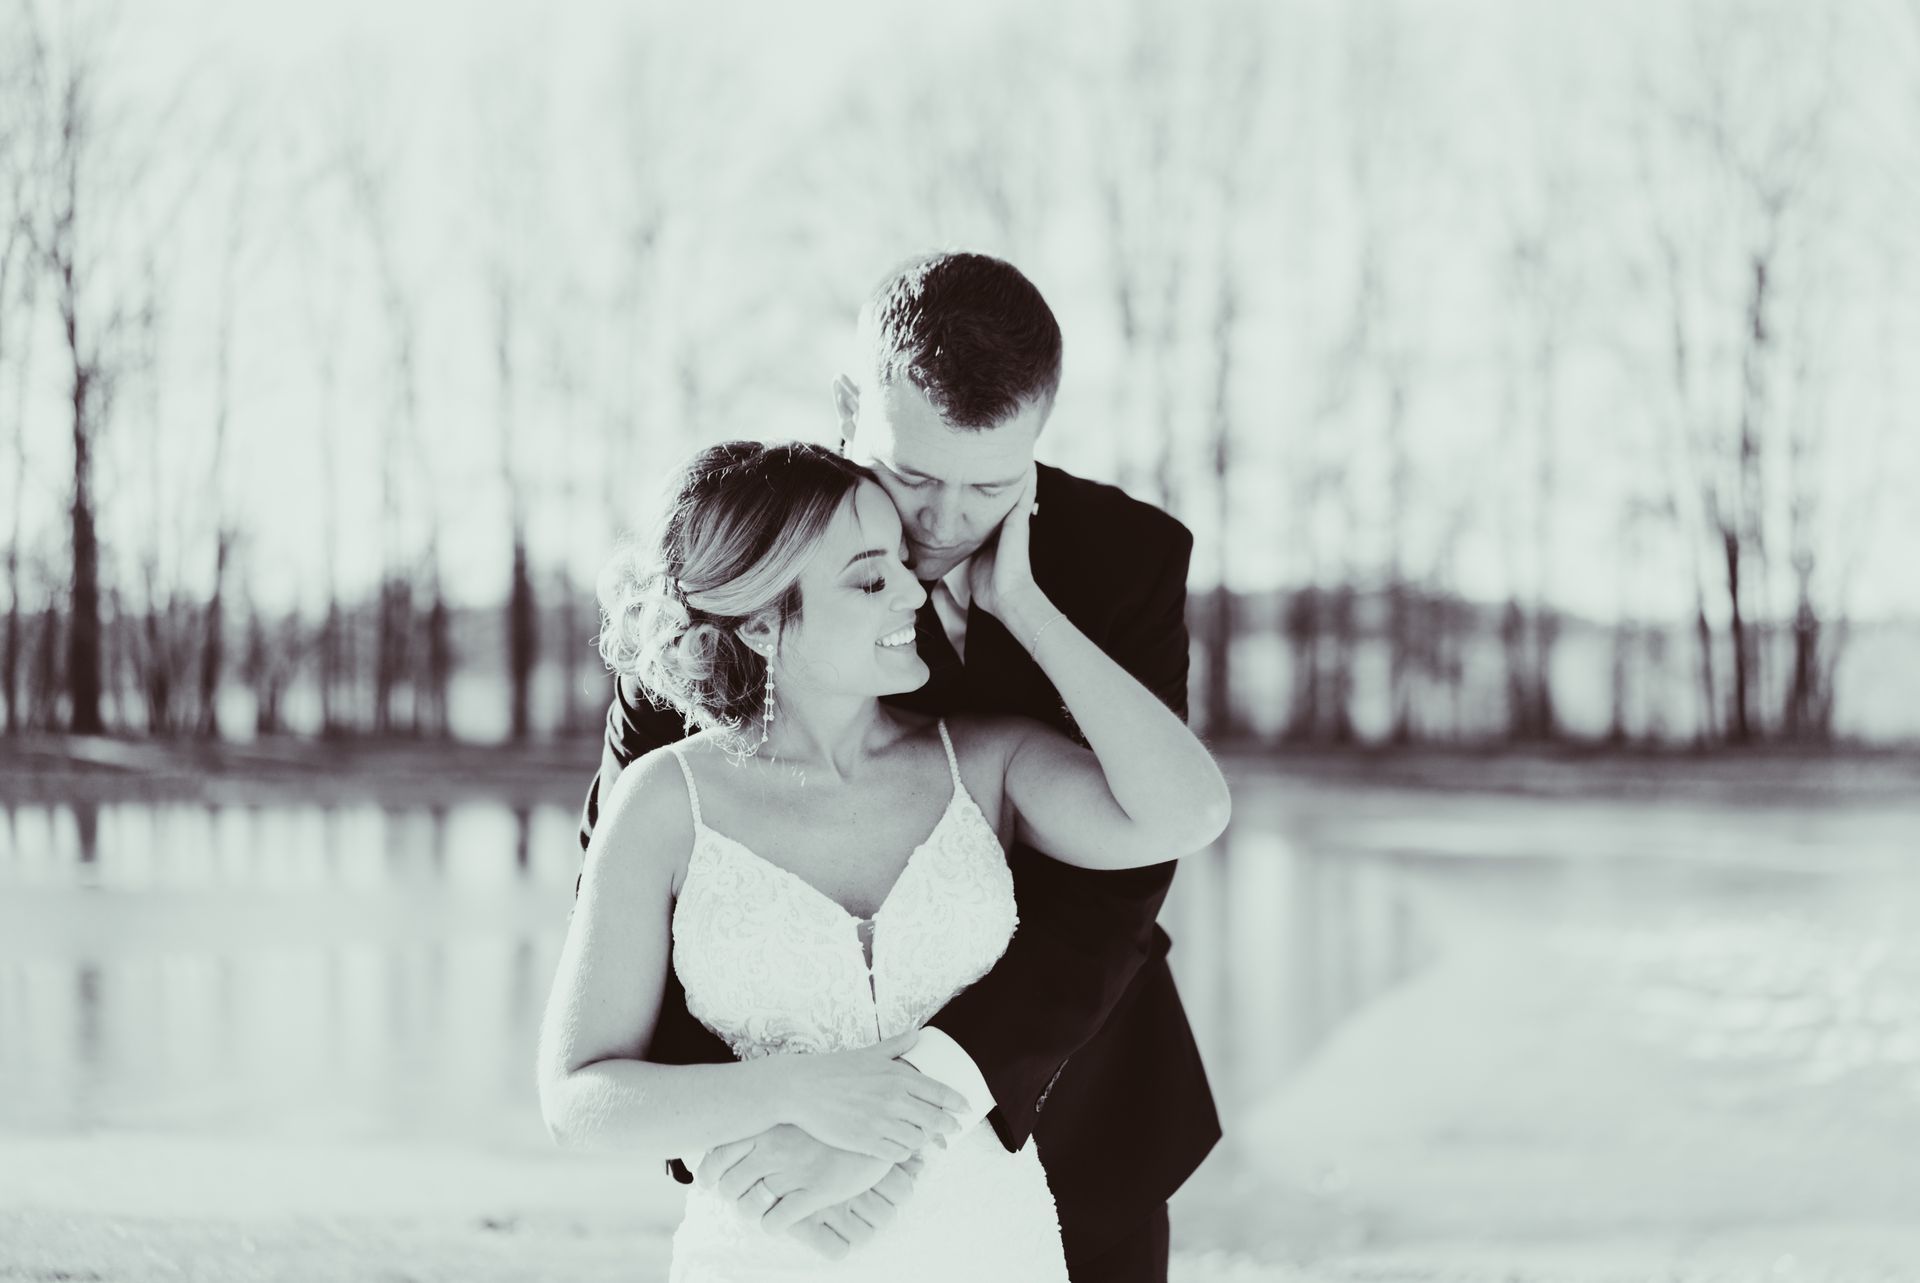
[[823, 872]]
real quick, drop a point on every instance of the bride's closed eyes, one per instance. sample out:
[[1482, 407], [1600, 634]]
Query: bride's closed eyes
[[877, 585]]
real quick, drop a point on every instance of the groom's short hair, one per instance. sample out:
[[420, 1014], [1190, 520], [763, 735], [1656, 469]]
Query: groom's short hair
[[969, 331]]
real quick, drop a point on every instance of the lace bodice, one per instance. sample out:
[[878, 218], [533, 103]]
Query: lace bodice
[[772, 964]]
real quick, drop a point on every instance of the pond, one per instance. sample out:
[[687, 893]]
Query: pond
[[382, 971], [1424, 1012]]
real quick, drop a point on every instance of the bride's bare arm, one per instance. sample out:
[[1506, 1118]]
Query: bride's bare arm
[[596, 1090], [1146, 791], [1149, 791]]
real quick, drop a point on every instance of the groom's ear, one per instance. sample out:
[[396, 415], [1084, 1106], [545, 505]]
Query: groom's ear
[[846, 405]]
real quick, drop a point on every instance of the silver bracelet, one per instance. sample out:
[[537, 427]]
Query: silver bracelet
[[1033, 647]]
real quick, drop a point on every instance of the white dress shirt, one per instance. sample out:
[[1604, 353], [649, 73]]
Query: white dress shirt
[[941, 1058]]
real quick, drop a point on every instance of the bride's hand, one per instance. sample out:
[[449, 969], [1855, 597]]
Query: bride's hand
[[868, 1102], [1000, 576]]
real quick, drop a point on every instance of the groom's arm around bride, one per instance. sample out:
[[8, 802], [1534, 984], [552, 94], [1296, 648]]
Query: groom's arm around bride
[[1078, 1031]]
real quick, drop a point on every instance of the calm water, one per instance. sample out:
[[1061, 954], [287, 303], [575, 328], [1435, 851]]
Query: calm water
[[381, 972], [377, 974]]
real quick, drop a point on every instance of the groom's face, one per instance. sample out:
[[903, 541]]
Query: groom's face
[[952, 486]]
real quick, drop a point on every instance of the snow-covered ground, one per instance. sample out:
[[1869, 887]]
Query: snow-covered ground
[[1651, 1040]]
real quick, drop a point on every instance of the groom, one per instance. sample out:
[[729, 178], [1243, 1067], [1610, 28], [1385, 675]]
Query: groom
[[1076, 1037]]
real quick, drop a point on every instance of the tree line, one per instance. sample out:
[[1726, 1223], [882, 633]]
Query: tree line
[[1411, 354]]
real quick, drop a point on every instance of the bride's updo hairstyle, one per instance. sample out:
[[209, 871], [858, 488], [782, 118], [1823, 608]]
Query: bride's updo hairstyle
[[740, 521]]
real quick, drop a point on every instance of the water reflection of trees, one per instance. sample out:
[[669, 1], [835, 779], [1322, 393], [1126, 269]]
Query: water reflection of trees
[[342, 972], [1276, 945], [282, 958]]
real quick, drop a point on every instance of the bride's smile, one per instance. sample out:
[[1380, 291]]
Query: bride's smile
[[854, 634]]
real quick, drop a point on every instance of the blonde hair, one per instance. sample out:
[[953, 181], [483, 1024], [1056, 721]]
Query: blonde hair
[[741, 519]]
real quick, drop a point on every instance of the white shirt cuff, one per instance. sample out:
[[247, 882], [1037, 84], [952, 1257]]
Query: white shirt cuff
[[939, 1057]]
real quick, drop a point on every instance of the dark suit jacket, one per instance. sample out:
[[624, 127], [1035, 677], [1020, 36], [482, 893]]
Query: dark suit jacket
[[1078, 1029]]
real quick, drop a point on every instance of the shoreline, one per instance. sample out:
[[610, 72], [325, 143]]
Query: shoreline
[[54, 768]]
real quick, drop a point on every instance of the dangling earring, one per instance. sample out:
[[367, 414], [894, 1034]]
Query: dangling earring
[[766, 724]]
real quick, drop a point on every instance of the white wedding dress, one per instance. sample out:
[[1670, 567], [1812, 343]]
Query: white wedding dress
[[772, 965]]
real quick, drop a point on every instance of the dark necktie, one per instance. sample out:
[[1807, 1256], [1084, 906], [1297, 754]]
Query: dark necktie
[[930, 638]]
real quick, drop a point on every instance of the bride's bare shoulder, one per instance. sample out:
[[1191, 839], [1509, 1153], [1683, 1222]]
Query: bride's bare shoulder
[[646, 824], [990, 739]]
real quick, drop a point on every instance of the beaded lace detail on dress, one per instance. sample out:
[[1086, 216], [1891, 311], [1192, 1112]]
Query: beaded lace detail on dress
[[772, 964]]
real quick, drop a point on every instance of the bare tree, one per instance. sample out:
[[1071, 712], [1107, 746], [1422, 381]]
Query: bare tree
[[1620, 669], [23, 144], [47, 678], [1219, 630], [1731, 158], [1544, 212], [268, 663], [10, 642], [1762, 138], [1319, 618], [1679, 413], [101, 184], [573, 609], [1808, 705], [368, 175], [522, 616], [75, 96], [1834, 498], [1323, 617], [1530, 624], [1369, 371], [513, 116], [1379, 168], [1237, 58], [162, 649], [213, 634], [323, 314]]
